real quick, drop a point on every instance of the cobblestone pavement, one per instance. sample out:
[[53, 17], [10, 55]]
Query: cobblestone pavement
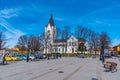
[[59, 69]]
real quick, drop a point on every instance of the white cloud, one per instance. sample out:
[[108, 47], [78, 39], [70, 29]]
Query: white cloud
[[8, 13], [11, 33], [8, 27]]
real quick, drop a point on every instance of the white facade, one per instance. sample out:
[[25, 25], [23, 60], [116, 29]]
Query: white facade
[[72, 45], [54, 45]]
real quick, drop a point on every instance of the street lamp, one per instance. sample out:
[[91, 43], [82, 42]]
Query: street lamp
[[28, 51]]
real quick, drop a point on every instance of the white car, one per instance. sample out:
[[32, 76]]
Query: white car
[[31, 57]]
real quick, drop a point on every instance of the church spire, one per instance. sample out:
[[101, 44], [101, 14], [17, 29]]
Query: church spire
[[51, 22]]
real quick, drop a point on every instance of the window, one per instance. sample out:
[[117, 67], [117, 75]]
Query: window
[[72, 39], [72, 43], [62, 49], [59, 49], [48, 34], [56, 49], [69, 43]]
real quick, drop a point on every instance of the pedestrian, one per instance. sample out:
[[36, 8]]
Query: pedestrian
[[103, 60], [4, 60], [48, 56]]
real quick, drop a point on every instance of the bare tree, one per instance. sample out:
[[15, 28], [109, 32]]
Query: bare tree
[[36, 43], [63, 38], [2, 40], [81, 32], [58, 35], [23, 40], [23, 43], [104, 42], [65, 33], [93, 41]]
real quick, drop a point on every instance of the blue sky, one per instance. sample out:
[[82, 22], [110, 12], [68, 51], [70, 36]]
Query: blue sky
[[24, 17]]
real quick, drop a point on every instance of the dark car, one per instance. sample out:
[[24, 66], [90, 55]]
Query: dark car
[[40, 56], [82, 56], [118, 56], [107, 55]]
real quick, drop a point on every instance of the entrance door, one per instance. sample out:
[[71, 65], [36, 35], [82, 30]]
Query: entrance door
[[72, 50]]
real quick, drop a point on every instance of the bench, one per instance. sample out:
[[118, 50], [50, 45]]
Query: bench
[[110, 66]]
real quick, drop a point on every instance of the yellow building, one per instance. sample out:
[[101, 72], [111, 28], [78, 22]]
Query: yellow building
[[20, 51], [117, 49], [15, 48]]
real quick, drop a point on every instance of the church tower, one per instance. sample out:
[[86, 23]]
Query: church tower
[[50, 35], [50, 30]]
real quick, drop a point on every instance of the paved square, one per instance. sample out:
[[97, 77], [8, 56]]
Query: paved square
[[59, 69]]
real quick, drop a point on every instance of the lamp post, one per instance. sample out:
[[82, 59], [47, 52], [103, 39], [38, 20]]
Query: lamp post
[[28, 51]]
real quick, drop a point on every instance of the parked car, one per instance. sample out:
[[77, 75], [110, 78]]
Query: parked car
[[21, 57], [11, 58], [31, 57], [24, 57], [40, 56], [82, 56], [106, 55], [118, 56]]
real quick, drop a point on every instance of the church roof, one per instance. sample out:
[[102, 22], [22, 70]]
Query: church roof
[[65, 40], [60, 40], [51, 21]]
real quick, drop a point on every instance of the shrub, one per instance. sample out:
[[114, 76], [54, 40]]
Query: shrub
[[69, 55]]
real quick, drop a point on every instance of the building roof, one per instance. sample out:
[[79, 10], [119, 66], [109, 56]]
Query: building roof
[[111, 49], [60, 40], [51, 21], [65, 40]]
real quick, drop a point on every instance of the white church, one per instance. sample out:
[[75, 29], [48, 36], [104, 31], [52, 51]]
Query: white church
[[54, 45]]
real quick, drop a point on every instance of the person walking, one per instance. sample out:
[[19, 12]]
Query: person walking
[[4, 60], [103, 60]]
